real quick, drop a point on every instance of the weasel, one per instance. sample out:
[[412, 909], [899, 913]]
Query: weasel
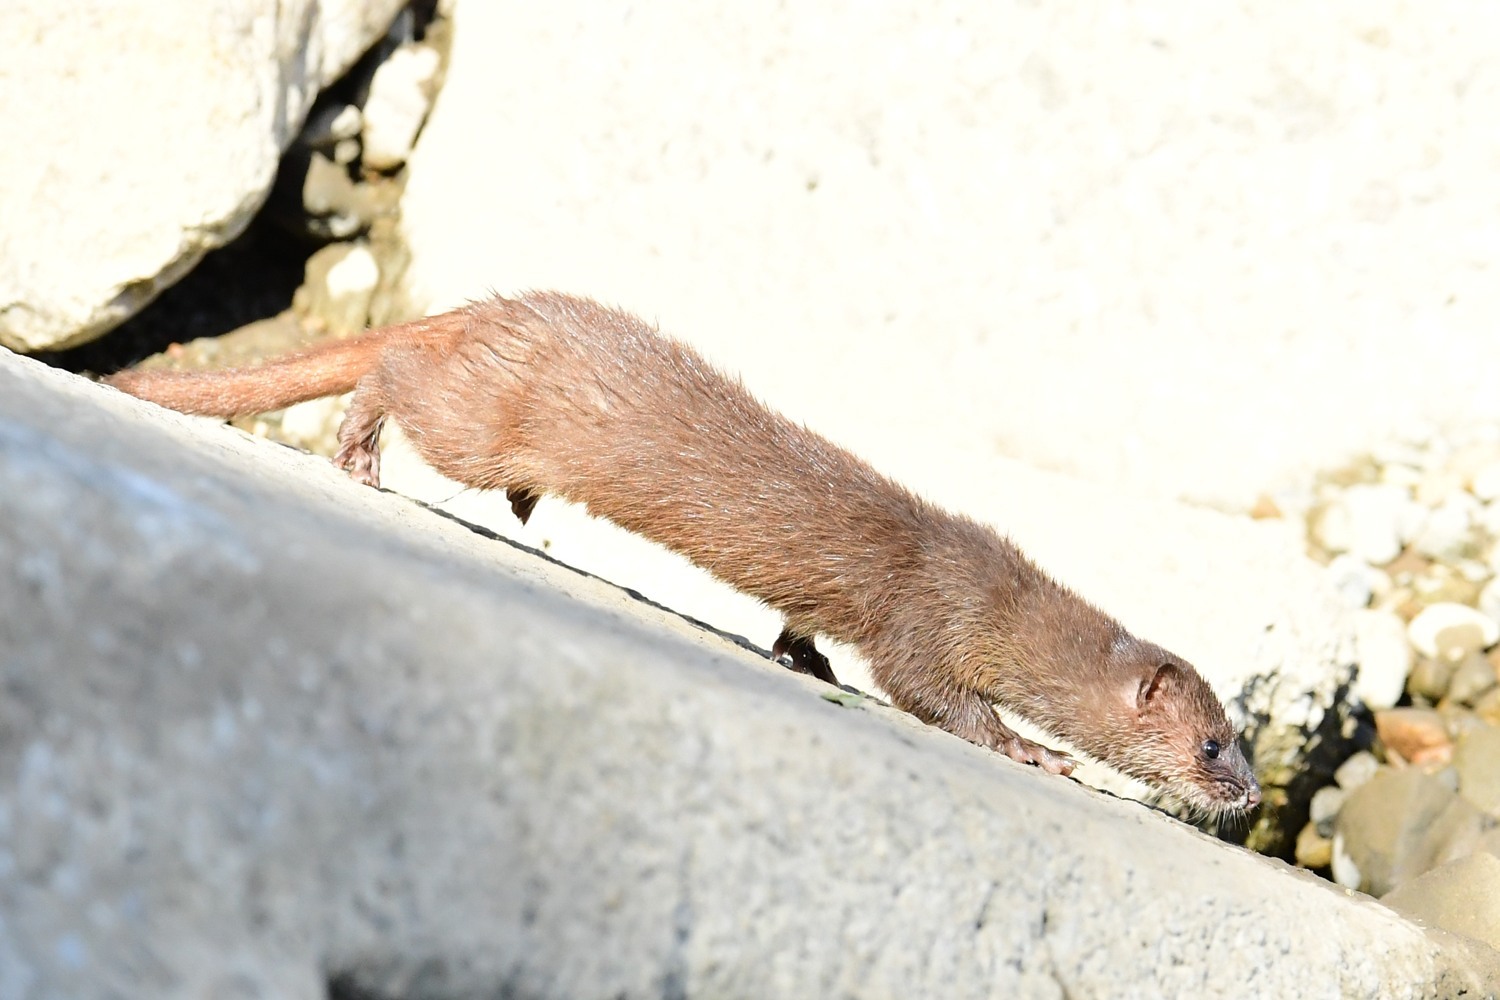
[[550, 394]]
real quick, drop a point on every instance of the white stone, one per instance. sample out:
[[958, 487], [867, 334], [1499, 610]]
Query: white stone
[[1488, 519], [1368, 521], [136, 142], [347, 124], [356, 274], [1452, 630], [1485, 483], [1357, 770], [1325, 805], [1400, 475], [400, 97], [338, 286], [1343, 869], [1353, 579], [1448, 532], [1489, 600], [1384, 658]]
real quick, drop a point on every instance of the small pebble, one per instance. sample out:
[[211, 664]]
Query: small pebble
[[1452, 630], [1369, 521], [1448, 532], [1438, 485], [1313, 849], [1459, 720], [1473, 677], [1489, 600], [1485, 483], [1342, 866], [1400, 475], [1417, 735], [1429, 678], [400, 96], [1488, 706], [1384, 658], [1355, 771], [1324, 807], [1351, 578]]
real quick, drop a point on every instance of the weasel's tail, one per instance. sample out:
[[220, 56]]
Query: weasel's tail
[[325, 370]]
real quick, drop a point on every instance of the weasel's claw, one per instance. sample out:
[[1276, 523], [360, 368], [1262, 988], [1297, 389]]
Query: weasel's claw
[[1024, 751], [798, 653]]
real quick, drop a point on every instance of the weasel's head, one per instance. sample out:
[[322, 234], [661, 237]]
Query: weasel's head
[[1169, 729]]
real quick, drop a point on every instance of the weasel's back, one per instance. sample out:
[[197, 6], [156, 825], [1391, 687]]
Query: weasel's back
[[592, 404]]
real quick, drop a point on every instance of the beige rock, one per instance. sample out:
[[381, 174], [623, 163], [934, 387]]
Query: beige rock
[[1472, 678], [1477, 761], [1488, 707], [1399, 824], [1462, 896], [1430, 678], [1313, 849]]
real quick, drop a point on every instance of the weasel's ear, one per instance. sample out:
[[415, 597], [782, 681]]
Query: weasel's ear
[[1153, 688]]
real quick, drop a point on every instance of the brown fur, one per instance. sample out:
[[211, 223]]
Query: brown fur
[[550, 394]]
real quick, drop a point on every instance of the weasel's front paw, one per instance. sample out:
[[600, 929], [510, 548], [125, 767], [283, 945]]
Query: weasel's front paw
[[1024, 751]]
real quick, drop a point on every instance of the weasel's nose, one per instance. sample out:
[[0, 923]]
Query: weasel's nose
[[1252, 797]]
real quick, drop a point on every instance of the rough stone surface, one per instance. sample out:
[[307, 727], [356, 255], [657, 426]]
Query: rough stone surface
[[140, 135], [267, 729], [1187, 249]]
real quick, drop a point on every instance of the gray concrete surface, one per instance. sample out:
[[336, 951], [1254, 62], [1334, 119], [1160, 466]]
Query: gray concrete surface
[[263, 730]]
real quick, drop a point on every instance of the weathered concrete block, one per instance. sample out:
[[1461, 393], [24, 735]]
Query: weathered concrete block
[[263, 730]]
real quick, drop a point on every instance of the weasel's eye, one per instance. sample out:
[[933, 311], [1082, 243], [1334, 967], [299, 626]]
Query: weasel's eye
[[1211, 749]]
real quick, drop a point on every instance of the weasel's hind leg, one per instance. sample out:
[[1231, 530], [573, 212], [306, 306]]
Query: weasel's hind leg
[[359, 436], [796, 652], [522, 501]]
